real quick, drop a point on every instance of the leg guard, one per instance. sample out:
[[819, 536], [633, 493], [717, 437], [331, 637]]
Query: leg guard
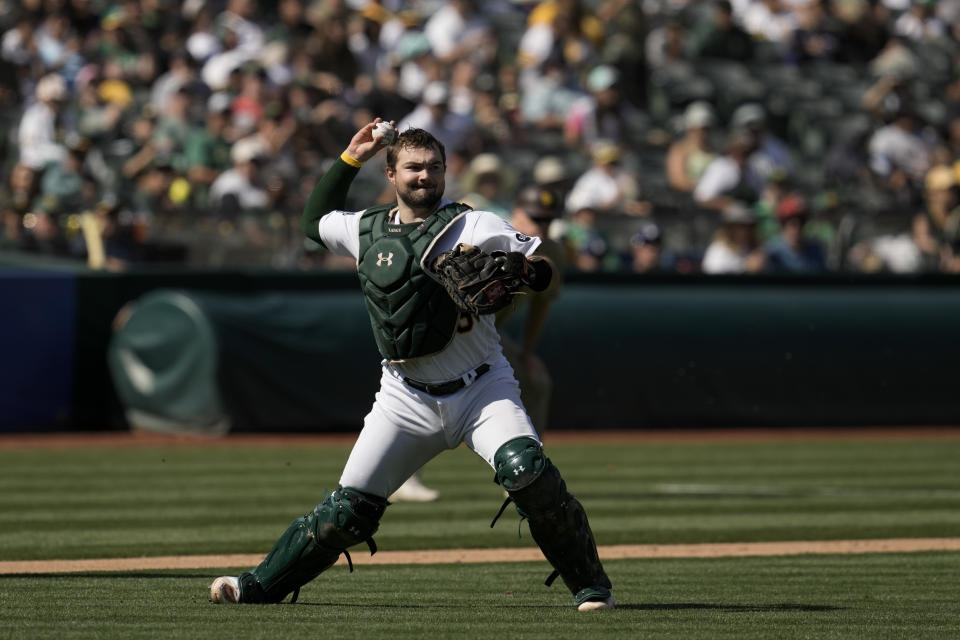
[[312, 544], [558, 522]]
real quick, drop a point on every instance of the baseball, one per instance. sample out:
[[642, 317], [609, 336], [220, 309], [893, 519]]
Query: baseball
[[386, 131]]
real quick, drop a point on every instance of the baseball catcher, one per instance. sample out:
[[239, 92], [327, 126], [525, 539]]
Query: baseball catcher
[[432, 273]]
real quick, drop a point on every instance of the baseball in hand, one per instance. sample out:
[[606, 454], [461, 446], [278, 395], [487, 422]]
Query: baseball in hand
[[386, 131]]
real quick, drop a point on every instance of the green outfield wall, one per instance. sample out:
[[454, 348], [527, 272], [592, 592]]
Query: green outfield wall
[[293, 352]]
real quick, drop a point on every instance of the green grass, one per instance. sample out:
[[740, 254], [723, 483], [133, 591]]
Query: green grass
[[106, 502], [877, 596], [128, 502]]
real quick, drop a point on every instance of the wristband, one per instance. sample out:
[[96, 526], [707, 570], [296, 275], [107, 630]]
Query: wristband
[[350, 160]]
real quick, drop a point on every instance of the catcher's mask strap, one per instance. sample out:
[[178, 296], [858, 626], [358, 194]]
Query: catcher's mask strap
[[451, 386]]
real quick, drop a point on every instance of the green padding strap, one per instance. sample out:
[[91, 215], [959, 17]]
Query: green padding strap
[[518, 463], [312, 544]]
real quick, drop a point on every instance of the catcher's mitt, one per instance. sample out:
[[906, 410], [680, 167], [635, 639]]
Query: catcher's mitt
[[480, 282]]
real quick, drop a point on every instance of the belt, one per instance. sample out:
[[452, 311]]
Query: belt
[[451, 386]]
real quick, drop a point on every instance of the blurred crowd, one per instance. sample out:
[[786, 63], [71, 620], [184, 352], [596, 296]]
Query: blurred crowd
[[723, 137]]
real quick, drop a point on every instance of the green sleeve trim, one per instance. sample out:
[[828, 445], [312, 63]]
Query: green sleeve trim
[[330, 194]]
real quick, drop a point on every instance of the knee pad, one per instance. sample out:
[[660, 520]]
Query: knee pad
[[348, 516], [518, 463]]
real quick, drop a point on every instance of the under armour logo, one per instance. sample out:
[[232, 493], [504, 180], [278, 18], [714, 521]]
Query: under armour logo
[[388, 259], [517, 471]]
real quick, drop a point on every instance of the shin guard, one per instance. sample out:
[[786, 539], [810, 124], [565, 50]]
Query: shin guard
[[312, 544], [558, 523]]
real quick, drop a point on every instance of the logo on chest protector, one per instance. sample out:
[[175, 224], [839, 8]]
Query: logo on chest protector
[[388, 259]]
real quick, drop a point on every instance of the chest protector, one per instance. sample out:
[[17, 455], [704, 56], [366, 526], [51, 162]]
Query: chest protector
[[411, 315]]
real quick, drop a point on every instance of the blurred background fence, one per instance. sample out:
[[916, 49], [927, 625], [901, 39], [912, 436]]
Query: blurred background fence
[[248, 350]]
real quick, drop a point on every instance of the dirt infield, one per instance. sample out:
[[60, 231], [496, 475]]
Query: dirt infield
[[475, 556]]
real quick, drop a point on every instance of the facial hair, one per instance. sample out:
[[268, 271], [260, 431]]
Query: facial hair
[[419, 198]]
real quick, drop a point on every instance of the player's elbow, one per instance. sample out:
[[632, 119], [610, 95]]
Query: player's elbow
[[543, 269]]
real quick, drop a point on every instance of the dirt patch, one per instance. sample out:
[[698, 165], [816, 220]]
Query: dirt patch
[[475, 556]]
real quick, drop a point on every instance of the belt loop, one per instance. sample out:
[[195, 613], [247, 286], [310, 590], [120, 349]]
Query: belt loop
[[471, 376]]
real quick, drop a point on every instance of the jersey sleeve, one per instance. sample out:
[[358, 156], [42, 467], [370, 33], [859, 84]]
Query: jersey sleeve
[[339, 232], [329, 194], [490, 232]]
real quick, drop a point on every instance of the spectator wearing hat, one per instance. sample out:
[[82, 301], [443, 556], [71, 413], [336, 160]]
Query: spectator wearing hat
[[771, 156], [606, 187], [139, 137], [208, 147], [65, 186], [564, 28], [37, 133], [646, 249], [533, 212], [95, 117], [366, 39], [666, 46], [791, 251], [689, 156], [56, 42], [725, 178], [417, 67], [236, 189], [115, 88], [768, 226], [603, 114], [201, 42], [589, 245], [897, 148], [180, 74], [549, 172], [485, 184], [150, 202], [172, 132], [735, 248]]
